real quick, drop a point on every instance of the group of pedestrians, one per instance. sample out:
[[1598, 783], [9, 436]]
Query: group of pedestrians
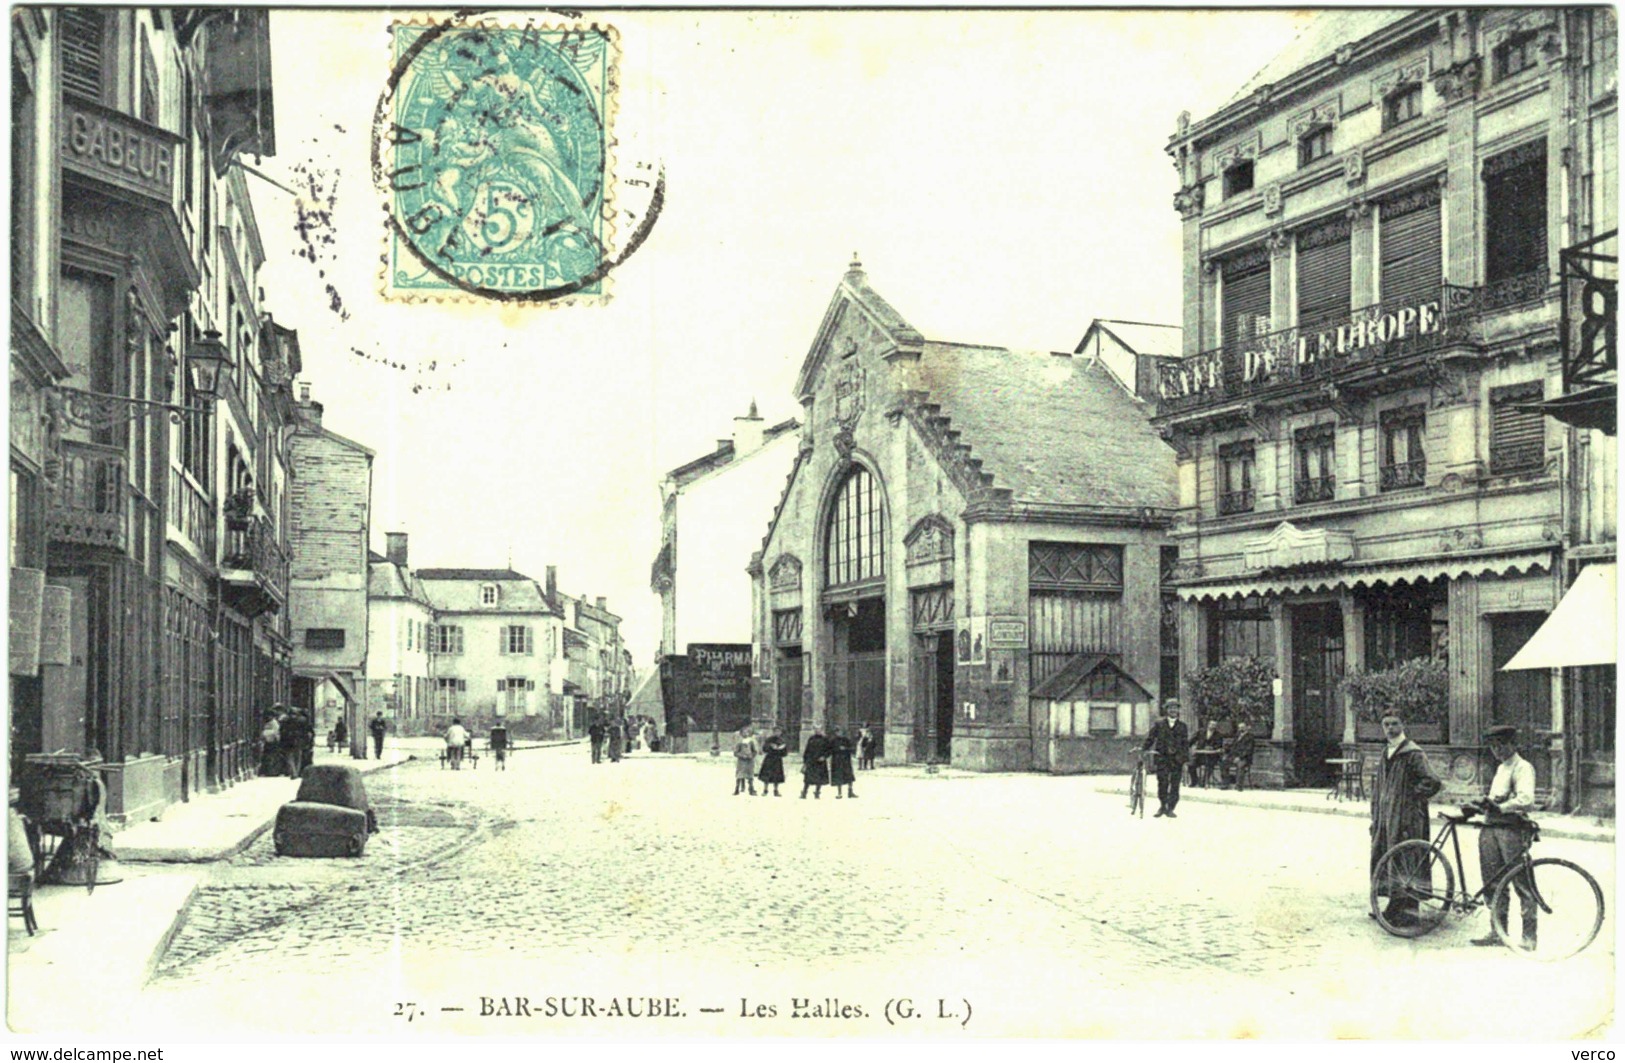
[[826, 761], [287, 741], [1173, 751], [618, 736]]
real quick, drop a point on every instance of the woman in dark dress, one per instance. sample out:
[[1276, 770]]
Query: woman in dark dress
[[840, 763], [814, 769], [772, 771]]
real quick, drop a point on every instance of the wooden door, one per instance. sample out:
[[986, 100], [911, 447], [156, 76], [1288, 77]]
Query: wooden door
[[789, 708], [1317, 674], [1522, 698]]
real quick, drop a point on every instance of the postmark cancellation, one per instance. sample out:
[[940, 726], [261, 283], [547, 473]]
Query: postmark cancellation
[[495, 155]]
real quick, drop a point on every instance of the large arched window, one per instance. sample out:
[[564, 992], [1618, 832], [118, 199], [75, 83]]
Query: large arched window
[[855, 545]]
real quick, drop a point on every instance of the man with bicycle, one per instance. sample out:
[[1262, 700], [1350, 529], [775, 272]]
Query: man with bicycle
[[1505, 836]]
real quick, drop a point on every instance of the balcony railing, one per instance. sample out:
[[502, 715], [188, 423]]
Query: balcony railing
[[1381, 332], [1404, 474], [87, 503], [255, 549], [1316, 489], [190, 513], [1236, 502], [1511, 291]]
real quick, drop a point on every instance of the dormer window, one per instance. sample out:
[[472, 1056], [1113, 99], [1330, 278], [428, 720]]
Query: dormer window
[[1238, 179], [1315, 145], [1402, 105], [1517, 55], [489, 594]]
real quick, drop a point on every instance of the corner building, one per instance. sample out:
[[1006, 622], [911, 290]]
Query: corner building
[[1371, 235], [960, 523]]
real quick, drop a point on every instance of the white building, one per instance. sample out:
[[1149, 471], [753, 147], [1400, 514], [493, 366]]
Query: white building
[[399, 619]]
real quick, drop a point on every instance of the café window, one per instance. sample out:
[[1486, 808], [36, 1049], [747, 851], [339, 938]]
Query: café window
[[1515, 214], [1245, 297], [1403, 623], [1314, 145], [87, 47], [1402, 105], [1324, 274], [1236, 477], [1404, 463], [1517, 55], [1411, 259], [1238, 179], [1316, 459], [1240, 627], [1517, 435]]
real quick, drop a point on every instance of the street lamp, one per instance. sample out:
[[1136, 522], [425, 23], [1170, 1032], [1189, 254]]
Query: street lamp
[[207, 361]]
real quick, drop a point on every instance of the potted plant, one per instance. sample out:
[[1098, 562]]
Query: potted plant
[[239, 507], [1239, 688], [1418, 690]]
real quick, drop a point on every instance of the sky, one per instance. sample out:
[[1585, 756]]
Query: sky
[[1001, 176]]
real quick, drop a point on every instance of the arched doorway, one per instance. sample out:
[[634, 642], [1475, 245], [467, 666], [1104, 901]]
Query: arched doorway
[[855, 605]]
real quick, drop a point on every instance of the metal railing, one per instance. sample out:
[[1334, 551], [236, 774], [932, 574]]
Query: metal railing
[[255, 549], [1511, 291], [1383, 331], [1316, 489], [87, 502], [1236, 502], [1404, 474]]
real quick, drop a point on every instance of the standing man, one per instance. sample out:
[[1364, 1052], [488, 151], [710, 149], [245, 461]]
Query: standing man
[[456, 740], [1506, 834], [1399, 812], [1170, 742], [377, 727], [293, 743], [595, 732]]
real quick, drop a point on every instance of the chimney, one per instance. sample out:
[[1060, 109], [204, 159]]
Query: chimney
[[552, 582], [747, 432], [310, 411], [395, 548], [601, 603]]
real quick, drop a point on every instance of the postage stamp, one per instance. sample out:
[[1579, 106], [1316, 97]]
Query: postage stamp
[[495, 154]]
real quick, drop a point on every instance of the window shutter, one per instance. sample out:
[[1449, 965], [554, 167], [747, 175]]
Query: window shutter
[[530, 684], [1517, 437], [1515, 208], [1323, 274], [83, 38], [1246, 298], [1412, 247]]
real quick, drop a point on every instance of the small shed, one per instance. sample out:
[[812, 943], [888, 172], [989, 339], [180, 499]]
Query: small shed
[[1090, 715]]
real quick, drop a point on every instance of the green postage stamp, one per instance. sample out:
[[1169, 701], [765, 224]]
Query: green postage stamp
[[495, 153]]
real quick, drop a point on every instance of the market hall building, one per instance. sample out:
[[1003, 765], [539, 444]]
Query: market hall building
[[1372, 233], [960, 523]]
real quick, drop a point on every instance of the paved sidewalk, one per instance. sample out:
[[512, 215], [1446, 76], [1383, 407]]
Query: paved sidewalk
[[1552, 825]]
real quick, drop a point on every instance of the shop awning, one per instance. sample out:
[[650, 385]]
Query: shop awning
[[1369, 574], [1583, 629]]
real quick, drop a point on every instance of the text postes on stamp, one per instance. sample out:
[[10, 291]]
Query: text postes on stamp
[[495, 154]]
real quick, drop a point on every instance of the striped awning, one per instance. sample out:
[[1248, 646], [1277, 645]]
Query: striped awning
[[1370, 574]]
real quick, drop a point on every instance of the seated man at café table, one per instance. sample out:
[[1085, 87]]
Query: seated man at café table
[[1239, 758], [1206, 748]]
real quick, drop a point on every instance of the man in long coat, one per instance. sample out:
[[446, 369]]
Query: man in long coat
[[1399, 811], [814, 764], [840, 762], [1170, 742]]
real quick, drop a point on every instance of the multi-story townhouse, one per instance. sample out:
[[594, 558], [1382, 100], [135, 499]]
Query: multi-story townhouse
[[1371, 234], [492, 651], [399, 620], [331, 514], [967, 533], [127, 126]]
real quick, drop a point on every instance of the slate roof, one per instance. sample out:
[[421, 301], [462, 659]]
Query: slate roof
[[1051, 429], [1076, 672], [457, 590], [725, 453], [1320, 39], [388, 580]]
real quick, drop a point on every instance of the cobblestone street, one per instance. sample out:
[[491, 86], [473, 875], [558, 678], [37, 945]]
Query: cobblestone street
[[1036, 900]]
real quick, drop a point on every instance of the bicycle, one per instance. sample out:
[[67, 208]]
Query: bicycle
[[1136, 787], [1567, 902]]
